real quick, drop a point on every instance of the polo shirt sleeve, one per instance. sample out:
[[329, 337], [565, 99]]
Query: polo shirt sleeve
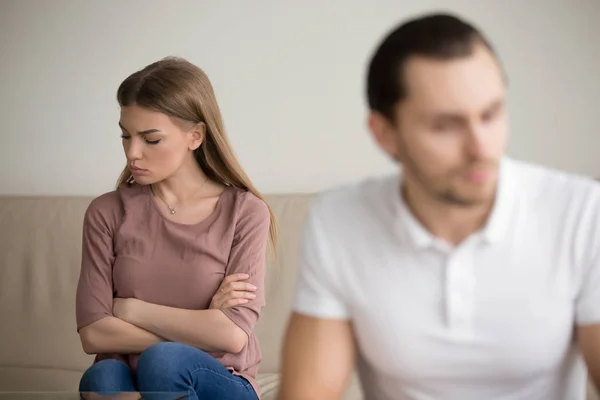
[[318, 293], [587, 308]]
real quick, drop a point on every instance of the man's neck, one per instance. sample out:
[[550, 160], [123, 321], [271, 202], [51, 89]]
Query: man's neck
[[451, 223]]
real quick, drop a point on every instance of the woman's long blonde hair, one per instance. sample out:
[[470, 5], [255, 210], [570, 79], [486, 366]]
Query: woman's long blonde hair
[[180, 89]]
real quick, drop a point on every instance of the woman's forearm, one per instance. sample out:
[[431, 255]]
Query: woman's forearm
[[113, 335], [208, 330]]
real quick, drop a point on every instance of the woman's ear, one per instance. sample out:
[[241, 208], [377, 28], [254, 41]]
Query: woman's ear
[[198, 134]]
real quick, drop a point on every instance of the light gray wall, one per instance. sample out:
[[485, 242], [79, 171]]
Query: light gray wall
[[289, 76]]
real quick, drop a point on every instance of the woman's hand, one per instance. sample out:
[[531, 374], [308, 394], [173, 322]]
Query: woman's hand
[[232, 292]]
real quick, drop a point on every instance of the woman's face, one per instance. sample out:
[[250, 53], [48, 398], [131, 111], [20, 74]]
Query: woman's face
[[155, 146]]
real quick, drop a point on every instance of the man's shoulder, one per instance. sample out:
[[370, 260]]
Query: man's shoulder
[[550, 186], [352, 199]]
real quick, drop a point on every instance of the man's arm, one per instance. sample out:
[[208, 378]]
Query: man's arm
[[587, 305], [318, 359], [588, 338]]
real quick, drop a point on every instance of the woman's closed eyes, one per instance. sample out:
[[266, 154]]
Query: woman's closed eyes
[[127, 137]]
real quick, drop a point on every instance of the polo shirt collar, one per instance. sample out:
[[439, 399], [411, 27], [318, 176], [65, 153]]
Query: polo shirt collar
[[418, 235], [499, 221], [495, 229]]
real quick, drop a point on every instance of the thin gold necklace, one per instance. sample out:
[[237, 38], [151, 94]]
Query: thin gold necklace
[[172, 210]]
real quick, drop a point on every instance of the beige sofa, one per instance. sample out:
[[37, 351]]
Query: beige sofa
[[40, 244]]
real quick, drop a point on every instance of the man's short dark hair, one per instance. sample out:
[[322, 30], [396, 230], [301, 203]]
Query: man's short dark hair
[[440, 36]]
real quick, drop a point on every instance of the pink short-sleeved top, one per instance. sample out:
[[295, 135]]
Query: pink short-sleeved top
[[131, 250]]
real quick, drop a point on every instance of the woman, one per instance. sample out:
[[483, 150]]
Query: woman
[[173, 263]]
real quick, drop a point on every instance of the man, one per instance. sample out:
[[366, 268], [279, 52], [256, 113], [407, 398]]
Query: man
[[467, 276]]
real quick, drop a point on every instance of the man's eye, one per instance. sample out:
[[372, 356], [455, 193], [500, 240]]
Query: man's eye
[[445, 126]]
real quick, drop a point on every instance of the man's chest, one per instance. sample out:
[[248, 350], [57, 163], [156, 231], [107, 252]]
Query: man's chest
[[485, 314]]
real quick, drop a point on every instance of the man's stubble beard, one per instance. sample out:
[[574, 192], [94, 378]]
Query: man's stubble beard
[[446, 195]]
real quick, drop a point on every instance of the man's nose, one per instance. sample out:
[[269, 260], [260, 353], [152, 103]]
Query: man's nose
[[478, 146]]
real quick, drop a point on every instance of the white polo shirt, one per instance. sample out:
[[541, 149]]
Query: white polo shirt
[[491, 319]]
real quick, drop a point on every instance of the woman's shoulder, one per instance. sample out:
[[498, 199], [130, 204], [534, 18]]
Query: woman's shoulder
[[251, 214], [109, 206], [247, 204]]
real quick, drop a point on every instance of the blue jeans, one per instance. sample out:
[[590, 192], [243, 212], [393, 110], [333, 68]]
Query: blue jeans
[[173, 369]]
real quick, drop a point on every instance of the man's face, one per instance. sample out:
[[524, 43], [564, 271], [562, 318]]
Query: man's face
[[451, 130]]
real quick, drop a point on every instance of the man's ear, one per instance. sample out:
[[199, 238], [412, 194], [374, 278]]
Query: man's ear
[[384, 134], [198, 133]]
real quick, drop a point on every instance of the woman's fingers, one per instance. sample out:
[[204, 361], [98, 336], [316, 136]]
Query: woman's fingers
[[236, 294], [234, 302], [234, 278], [242, 286], [235, 298], [237, 286], [232, 292]]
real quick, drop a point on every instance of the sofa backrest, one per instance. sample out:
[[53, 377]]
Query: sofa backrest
[[40, 248]]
